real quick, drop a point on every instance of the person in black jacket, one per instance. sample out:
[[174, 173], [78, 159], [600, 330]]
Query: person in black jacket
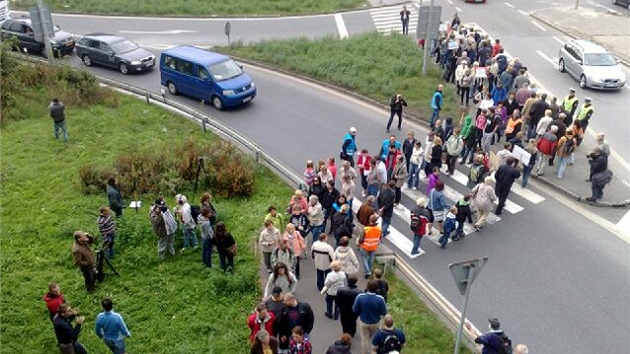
[[330, 196], [294, 314], [505, 176], [385, 201], [396, 108], [463, 213], [345, 300], [341, 346], [113, 195], [599, 164], [226, 247], [67, 336]]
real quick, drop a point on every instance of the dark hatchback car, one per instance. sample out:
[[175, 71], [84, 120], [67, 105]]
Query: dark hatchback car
[[21, 28], [114, 51], [624, 3]]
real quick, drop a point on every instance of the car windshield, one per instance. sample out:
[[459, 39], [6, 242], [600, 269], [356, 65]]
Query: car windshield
[[123, 46], [599, 59], [225, 70]]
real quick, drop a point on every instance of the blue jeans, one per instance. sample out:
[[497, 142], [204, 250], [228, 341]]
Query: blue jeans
[[368, 260], [434, 116], [527, 170], [190, 237], [110, 250], [372, 189], [414, 169], [330, 302], [316, 231], [416, 243], [562, 166], [468, 153], [206, 252], [386, 220], [321, 277], [63, 128], [117, 346]]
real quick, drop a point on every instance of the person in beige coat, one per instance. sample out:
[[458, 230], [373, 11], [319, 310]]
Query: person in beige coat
[[400, 176], [484, 198]]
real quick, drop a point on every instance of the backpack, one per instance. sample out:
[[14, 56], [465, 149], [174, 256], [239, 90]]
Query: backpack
[[390, 343], [569, 147], [195, 211], [415, 222], [505, 344], [476, 174]]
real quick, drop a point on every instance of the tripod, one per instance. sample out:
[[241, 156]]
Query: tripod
[[200, 167], [100, 263]]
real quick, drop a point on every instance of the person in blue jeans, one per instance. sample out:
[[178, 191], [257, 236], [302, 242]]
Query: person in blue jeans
[[527, 169], [425, 218], [207, 235], [436, 105], [111, 328], [385, 200], [449, 226]]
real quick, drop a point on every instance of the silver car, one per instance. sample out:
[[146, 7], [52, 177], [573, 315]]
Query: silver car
[[592, 65]]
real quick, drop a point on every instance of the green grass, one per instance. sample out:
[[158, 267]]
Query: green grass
[[197, 8], [370, 64]]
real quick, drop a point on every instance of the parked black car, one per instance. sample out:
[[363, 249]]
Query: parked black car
[[114, 51], [21, 28], [625, 3]]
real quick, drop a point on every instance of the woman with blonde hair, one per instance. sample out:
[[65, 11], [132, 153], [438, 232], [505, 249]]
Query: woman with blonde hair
[[484, 197], [295, 242], [346, 256], [335, 280]]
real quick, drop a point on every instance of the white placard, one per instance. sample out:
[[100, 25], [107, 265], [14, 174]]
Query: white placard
[[521, 155]]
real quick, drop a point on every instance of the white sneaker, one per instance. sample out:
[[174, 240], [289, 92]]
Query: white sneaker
[[414, 188]]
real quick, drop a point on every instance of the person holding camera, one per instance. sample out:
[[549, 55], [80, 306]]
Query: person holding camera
[[164, 225], [68, 336], [84, 258], [396, 107]]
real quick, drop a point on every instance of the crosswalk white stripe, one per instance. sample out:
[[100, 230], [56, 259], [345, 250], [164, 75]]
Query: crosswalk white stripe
[[387, 19]]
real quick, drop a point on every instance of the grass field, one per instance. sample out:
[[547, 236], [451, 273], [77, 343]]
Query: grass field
[[370, 64], [197, 8]]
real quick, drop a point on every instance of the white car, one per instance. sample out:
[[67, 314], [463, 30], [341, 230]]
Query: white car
[[591, 64]]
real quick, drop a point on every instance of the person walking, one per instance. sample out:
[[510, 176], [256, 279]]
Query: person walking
[[295, 313], [585, 113], [295, 242], [111, 328], [84, 258], [368, 243], [404, 18], [566, 146], [207, 236], [68, 336], [264, 343], [364, 166], [323, 255], [261, 319], [281, 277], [386, 200], [464, 213], [164, 226], [454, 147], [341, 346], [226, 247], [436, 105], [388, 339], [53, 298], [57, 113], [484, 197], [346, 256], [569, 106], [494, 341], [396, 105], [335, 280], [408, 146], [437, 203], [268, 241], [421, 217], [416, 160], [345, 300], [349, 146], [505, 177], [600, 175], [116, 202], [527, 169], [370, 307], [399, 176]]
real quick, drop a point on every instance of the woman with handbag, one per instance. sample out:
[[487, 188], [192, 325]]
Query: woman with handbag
[[226, 247]]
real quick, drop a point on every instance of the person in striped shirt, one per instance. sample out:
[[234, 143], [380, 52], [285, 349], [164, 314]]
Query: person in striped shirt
[[107, 228]]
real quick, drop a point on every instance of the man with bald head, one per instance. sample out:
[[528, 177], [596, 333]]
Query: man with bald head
[[521, 349], [388, 338]]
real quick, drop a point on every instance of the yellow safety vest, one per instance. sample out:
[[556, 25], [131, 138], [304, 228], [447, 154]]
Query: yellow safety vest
[[568, 103], [584, 112]]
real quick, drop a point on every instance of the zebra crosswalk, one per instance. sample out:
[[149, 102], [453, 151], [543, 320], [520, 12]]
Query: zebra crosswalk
[[387, 19]]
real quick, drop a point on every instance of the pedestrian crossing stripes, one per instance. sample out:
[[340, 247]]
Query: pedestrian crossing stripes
[[387, 19]]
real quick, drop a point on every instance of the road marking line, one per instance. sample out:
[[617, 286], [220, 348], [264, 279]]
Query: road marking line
[[558, 40], [341, 26], [450, 2], [624, 224], [509, 5], [544, 56], [458, 9], [157, 32], [523, 13], [530, 195], [539, 26]]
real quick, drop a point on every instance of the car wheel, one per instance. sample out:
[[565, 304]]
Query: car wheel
[[123, 68], [172, 89], [217, 103], [87, 60], [561, 65], [583, 81]]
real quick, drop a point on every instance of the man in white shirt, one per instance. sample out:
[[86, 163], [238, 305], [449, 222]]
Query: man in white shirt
[[323, 254]]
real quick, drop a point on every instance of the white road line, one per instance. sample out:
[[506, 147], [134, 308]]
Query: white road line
[[450, 2], [544, 56], [539, 26], [341, 26], [530, 195], [523, 13], [157, 32], [509, 5], [558, 40], [458, 9]]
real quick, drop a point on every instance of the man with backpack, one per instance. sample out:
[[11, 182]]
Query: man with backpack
[[388, 339], [566, 146], [494, 341]]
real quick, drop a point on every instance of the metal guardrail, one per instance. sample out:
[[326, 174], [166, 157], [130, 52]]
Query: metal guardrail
[[444, 309]]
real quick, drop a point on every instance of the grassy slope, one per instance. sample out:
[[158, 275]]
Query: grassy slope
[[197, 8], [370, 64]]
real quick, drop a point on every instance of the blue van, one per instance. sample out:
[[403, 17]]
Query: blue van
[[205, 75]]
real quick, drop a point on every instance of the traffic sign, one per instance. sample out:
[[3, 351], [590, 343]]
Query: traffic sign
[[423, 20], [42, 23], [466, 272], [228, 28]]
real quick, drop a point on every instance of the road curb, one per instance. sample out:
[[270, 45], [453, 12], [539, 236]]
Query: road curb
[[573, 195], [551, 24]]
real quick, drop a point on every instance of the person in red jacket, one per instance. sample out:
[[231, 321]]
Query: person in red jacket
[[261, 319], [54, 299]]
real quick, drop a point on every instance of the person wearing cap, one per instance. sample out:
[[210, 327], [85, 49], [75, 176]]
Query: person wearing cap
[[349, 146], [396, 108], [164, 226], [585, 113], [491, 340], [569, 106], [275, 303]]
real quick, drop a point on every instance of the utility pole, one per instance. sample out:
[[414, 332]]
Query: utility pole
[[577, 3], [426, 41], [46, 30]]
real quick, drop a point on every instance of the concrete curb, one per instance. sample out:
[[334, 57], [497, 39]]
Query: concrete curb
[[551, 24], [573, 195]]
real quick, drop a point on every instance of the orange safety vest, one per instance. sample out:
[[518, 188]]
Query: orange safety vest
[[511, 124], [372, 238]]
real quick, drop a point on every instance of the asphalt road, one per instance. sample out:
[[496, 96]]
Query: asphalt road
[[559, 281]]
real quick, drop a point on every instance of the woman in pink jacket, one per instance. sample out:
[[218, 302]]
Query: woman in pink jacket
[[295, 242]]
